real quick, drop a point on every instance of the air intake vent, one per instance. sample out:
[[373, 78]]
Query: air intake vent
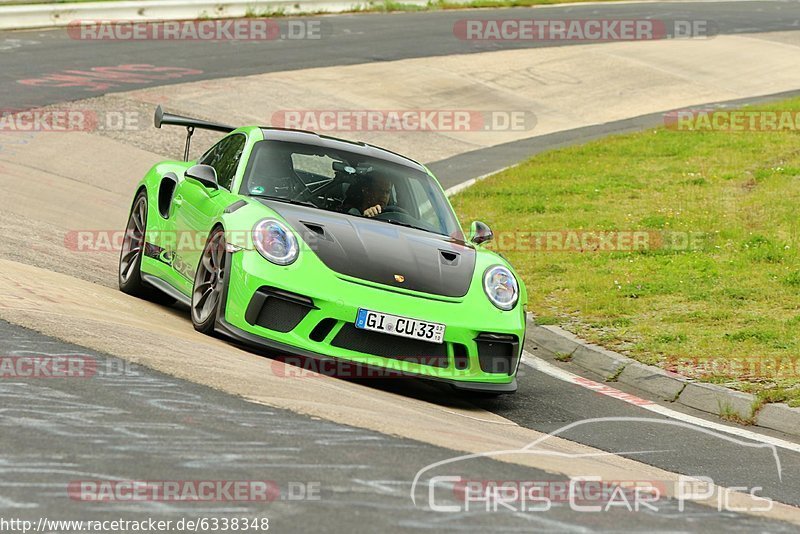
[[497, 353], [449, 258], [322, 330], [317, 229], [460, 356], [277, 310]]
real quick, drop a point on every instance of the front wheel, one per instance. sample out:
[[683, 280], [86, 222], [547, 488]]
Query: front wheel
[[209, 282]]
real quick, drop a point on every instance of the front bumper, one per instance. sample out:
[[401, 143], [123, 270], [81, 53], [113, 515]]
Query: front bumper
[[314, 317]]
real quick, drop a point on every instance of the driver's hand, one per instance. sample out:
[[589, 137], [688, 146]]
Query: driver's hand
[[373, 211]]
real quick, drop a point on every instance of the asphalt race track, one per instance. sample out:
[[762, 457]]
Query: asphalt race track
[[141, 424], [349, 39], [137, 424]]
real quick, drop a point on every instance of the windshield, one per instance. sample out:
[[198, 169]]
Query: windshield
[[348, 183]]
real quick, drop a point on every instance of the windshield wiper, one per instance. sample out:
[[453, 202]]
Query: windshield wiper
[[288, 200]]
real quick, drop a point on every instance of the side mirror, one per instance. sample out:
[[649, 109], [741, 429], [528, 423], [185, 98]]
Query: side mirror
[[480, 233], [205, 174]]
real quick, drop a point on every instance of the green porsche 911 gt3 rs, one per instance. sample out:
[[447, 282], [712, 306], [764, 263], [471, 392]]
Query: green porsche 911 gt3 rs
[[328, 249]]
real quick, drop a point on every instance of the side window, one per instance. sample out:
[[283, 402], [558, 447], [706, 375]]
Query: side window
[[211, 157], [224, 157]]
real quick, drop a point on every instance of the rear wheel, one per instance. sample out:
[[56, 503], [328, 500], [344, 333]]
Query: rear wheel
[[209, 282], [130, 259]]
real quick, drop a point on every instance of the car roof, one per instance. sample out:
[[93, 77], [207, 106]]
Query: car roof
[[334, 143]]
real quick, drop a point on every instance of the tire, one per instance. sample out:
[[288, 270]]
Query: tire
[[130, 258], [209, 282]]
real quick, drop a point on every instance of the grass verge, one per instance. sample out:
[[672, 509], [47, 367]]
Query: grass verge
[[716, 293]]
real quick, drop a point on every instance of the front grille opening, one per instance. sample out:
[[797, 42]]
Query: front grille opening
[[387, 346], [277, 310], [460, 356], [322, 330], [497, 353]]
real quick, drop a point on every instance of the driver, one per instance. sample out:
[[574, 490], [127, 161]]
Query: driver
[[373, 198]]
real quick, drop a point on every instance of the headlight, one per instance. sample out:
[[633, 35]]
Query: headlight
[[501, 287], [275, 242]]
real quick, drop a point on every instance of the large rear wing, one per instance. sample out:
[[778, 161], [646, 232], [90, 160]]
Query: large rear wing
[[176, 120]]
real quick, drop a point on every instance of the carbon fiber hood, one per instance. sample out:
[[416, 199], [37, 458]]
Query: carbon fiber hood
[[384, 253]]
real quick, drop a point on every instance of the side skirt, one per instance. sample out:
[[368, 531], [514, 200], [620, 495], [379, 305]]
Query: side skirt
[[167, 288]]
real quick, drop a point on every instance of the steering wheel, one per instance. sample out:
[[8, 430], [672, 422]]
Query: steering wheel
[[305, 190], [394, 209]]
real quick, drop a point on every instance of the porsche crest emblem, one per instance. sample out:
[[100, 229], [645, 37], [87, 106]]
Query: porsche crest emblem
[[399, 278]]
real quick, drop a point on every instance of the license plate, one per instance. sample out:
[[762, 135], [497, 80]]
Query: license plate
[[399, 326]]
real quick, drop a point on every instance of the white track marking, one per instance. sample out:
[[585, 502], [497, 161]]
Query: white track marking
[[487, 421], [604, 389], [472, 181]]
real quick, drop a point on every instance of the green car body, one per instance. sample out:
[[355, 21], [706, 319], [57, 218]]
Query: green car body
[[307, 307]]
